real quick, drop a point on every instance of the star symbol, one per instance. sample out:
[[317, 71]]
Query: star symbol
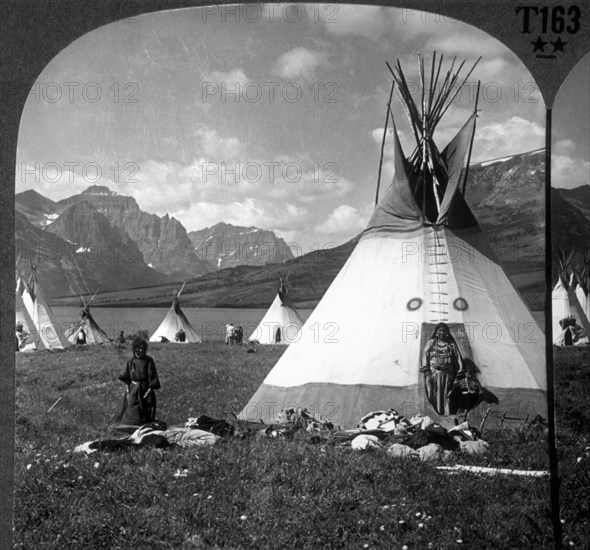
[[539, 45], [558, 45]]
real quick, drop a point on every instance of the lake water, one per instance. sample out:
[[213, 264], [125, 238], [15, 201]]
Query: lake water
[[208, 322]]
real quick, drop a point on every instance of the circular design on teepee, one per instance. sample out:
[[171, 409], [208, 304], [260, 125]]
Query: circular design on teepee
[[460, 304], [414, 304]]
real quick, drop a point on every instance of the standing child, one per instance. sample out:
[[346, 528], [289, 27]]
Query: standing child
[[141, 378]]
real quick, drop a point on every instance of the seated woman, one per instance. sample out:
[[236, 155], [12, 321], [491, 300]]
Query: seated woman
[[141, 378]]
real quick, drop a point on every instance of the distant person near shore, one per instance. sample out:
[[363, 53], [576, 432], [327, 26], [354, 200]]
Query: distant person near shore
[[229, 334]]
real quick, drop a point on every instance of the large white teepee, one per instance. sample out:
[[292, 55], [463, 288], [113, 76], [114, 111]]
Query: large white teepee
[[281, 324], [33, 311], [421, 261], [92, 332], [175, 321]]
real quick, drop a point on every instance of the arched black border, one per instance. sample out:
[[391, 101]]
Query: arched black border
[[32, 32]]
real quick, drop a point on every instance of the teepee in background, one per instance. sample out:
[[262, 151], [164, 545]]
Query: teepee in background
[[33, 311], [566, 309], [560, 303], [583, 285], [24, 321], [282, 323], [93, 333], [175, 321], [421, 261]]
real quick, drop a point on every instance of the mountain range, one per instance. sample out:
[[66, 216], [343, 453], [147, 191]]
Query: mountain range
[[232, 266], [225, 245], [105, 239]]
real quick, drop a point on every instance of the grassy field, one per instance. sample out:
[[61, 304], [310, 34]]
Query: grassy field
[[267, 493]]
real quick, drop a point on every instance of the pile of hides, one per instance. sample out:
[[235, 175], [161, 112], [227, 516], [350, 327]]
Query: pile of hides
[[419, 437], [303, 419], [291, 421]]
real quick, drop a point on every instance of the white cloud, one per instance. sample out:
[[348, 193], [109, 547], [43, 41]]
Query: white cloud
[[515, 135], [309, 182], [230, 79], [377, 134], [491, 68], [569, 172], [344, 219], [474, 43], [564, 147], [215, 146], [299, 63], [250, 211]]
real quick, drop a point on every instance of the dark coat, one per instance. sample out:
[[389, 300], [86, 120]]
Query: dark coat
[[139, 407]]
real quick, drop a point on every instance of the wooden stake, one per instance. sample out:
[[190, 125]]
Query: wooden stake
[[484, 420], [460, 87], [524, 423], [49, 409], [383, 141], [502, 420], [471, 142]]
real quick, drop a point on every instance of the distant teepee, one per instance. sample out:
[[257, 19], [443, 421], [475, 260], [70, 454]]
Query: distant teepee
[[583, 285], [175, 322], [24, 322], [282, 323], [421, 307], [33, 311], [569, 321], [86, 330]]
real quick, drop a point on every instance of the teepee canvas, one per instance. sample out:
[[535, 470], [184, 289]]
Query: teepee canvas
[[281, 324], [583, 286], [583, 298], [33, 309], [86, 327], [173, 323], [24, 323], [569, 320], [421, 274]]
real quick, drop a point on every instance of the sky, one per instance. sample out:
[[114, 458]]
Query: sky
[[570, 147], [269, 115]]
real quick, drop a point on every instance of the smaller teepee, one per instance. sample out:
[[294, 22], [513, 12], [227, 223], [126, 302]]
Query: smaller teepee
[[86, 330], [174, 323], [282, 323], [570, 324], [583, 285], [35, 315], [25, 339]]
